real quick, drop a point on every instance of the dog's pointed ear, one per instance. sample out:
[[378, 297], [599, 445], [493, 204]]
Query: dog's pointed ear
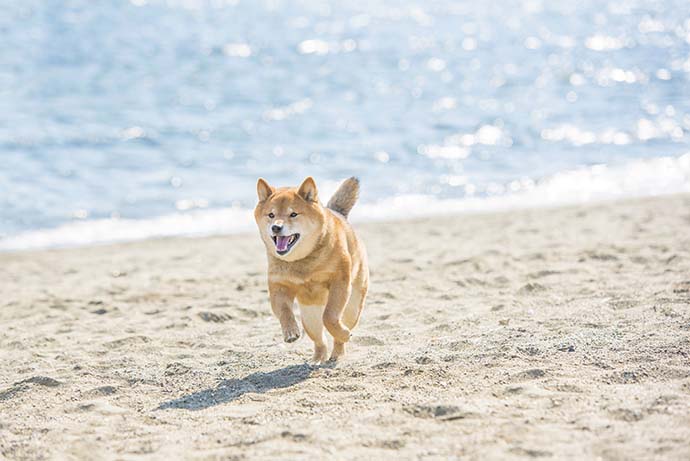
[[263, 190], [307, 190]]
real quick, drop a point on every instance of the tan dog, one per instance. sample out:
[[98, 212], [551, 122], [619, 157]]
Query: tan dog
[[314, 257]]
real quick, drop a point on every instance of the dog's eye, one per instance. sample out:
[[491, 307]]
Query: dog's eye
[[271, 215], [293, 215]]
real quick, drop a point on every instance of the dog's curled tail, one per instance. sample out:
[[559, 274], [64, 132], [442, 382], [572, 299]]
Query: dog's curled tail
[[345, 197]]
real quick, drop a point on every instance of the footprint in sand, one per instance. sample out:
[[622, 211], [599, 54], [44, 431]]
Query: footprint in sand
[[531, 288], [101, 407], [475, 281], [527, 390], [394, 444], [529, 350], [130, 340], [534, 373], [438, 412], [215, 318], [251, 313], [597, 256], [103, 390], [26, 384], [624, 377], [460, 345], [384, 365], [626, 414], [566, 388], [530, 452], [424, 360], [542, 274], [176, 369]]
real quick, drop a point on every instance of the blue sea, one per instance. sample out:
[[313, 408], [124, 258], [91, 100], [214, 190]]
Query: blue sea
[[123, 120]]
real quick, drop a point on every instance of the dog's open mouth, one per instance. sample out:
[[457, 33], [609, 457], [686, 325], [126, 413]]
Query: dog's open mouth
[[284, 243]]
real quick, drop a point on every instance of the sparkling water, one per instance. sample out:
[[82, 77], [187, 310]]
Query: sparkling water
[[128, 119]]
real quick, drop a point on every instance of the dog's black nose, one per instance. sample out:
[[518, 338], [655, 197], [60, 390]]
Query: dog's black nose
[[276, 228]]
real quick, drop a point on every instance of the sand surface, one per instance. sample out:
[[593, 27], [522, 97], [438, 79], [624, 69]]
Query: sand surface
[[554, 333]]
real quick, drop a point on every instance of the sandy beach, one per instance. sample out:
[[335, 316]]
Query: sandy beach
[[549, 333]]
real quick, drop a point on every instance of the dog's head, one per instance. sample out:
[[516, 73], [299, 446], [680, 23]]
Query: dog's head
[[291, 220]]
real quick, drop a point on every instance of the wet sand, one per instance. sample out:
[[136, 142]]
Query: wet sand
[[551, 333]]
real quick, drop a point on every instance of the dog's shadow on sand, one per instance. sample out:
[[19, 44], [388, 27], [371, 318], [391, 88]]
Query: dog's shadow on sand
[[232, 389]]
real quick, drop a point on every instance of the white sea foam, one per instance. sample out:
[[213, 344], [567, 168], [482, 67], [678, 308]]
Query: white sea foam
[[640, 178], [666, 175]]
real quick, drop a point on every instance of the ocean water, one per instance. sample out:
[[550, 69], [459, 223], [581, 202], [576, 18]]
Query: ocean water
[[123, 120]]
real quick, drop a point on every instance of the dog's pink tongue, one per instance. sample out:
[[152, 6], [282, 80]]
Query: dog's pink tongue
[[282, 243]]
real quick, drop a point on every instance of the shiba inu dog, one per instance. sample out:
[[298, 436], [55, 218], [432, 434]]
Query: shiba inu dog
[[315, 258]]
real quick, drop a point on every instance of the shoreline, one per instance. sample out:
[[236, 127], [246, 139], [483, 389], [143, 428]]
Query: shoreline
[[558, 332], [249, 227], [584, 186]]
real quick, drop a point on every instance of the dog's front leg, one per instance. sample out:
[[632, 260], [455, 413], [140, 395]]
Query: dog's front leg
[[338, 294], [282, 300]]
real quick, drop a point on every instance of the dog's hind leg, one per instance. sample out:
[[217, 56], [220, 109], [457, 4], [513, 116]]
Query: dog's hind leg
[[351, 314], [354, 307], [312, 320]]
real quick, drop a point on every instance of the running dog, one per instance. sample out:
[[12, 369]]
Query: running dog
[[315, 258]]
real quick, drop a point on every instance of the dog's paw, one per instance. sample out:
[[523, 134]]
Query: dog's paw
[[320, 355], [338, 352], [290, 335]]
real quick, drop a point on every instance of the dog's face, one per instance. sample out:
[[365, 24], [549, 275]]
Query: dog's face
[[290, 220]]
